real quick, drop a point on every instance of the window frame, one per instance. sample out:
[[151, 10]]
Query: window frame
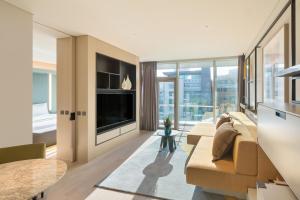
[[177, 77]]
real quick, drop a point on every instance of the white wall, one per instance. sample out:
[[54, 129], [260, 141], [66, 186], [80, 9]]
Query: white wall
[[283, 20], [271, 18], [15, 75], [279, 6]]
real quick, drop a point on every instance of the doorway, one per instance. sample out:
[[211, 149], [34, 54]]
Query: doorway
[[166, 101], [44, 87]]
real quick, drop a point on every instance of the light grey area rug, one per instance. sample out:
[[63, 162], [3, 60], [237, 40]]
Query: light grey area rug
[[156, 173]]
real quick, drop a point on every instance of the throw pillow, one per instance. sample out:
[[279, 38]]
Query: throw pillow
[[224, 118], [223, 140]]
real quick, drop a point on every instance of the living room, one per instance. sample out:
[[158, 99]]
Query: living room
[[152, 99]]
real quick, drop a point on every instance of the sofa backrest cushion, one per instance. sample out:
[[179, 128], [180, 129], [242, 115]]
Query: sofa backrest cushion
[[248, 123], [245, 149]]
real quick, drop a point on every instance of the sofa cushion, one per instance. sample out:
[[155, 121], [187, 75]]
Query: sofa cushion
[[201, 171], [224, 118], [200, 129], [223, 140], [235, 173], [243, 119], [202, 158]]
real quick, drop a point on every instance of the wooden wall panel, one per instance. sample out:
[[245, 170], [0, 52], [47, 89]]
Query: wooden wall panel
[[66, 146], [82, 98], [86, 49]]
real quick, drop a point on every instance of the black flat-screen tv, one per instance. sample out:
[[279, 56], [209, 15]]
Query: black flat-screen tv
[[114, 109]]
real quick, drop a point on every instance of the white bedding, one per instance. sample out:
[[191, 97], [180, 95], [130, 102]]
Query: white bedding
[[42, 120]]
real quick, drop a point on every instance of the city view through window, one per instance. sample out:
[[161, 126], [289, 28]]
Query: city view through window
[[205, 90]]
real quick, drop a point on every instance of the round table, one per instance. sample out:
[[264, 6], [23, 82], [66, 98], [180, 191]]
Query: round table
[[27, 178], [167, 140]]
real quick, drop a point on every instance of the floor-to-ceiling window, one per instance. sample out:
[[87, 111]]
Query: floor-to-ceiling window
[[196, 90], [274, 61], [226, 90]]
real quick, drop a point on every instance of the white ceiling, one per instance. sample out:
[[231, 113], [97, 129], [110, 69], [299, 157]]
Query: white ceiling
[[159, 29]]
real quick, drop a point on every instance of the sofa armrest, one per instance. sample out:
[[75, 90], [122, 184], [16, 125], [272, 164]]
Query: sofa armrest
[[245, 156], [199, 130]]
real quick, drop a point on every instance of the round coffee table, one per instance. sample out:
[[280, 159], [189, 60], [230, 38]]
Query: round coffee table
[[167, 140], [28, 178]]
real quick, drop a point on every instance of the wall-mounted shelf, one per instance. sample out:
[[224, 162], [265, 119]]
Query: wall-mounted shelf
[[115, 107], [294, 72], [106, 80], [290, 72], [111, 72]]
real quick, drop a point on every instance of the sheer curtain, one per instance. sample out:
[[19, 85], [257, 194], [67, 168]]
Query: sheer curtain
[[148, 105]]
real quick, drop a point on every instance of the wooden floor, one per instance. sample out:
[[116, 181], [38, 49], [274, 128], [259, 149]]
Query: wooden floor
[[51, 152], [80, 179]]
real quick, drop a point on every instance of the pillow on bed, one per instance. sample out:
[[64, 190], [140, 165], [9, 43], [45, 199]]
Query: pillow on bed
[[39, 109]]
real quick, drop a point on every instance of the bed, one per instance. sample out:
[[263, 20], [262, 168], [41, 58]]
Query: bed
[[43, 125]]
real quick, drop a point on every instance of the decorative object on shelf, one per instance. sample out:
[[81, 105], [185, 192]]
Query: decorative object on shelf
[[289, 72], [168, 124], [126, 84]]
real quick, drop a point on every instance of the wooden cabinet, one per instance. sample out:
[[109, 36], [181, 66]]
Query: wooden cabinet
[[114, 133], [88, 49], [271, 191], [279, 136]]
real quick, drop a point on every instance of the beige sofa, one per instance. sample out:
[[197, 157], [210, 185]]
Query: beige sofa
[[235, 173]]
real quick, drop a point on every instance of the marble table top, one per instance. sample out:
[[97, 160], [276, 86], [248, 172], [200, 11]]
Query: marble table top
[[27, 178]]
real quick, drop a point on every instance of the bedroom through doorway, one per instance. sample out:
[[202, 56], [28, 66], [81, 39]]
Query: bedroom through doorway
[[44, 87]]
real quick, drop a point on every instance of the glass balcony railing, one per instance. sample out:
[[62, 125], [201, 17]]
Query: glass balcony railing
[[190, 114]]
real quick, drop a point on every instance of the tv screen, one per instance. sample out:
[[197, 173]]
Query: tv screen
[[114, 109]]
